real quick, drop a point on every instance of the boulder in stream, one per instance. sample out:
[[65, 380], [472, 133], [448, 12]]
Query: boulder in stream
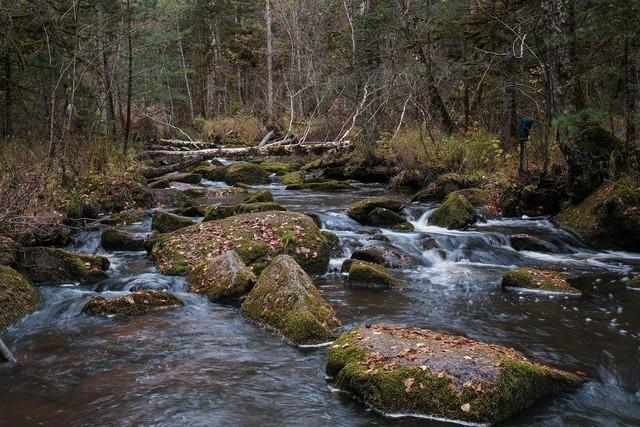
[[131, 216], [262, 196], [366, 275], [634, 283], [160, 184], [226, 211], [57, 266], [256, 237], [476, 196], [400, 370], [245, 173], [165, 222], [187, 178], [292, 178], [443, 186], [285, 299], [222, 278], [360, 210], [455, 213], [133, 304], [544, 281], [382, 217], [525, 242], [17, 297], [323, 186], [117, 240]]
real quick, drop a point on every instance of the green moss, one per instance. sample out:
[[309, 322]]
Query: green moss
[[165, 222], [476, 196], [116, 240], [245, 173], [187, 178], [360, 210], [262, 196], [634, 283], [56, 266], [222, 278], [132, 304], [333, 242], [8, 251], [400, 387], [17, 297], [293, 178], [126, 217], [279, 168], [455, 213], [367, 275], [256, 237], [441, 188], [544, 280], [286, 300], [195, 192]]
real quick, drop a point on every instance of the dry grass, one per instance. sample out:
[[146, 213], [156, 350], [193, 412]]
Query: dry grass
[[240, 129]]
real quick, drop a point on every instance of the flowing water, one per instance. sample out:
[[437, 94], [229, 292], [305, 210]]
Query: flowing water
[[204, 365]]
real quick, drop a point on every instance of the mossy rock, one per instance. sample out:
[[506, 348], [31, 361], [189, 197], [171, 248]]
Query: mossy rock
[[186, 178], [116, 240], [525, 279], [160, 184], [381, 217], [260, 207], [133, 304], [360, 210], [222, 278], [126, 217], [8, 251], [286, 300], [118, 193], [210, 172], [57, 266], [476, 196], [256, 237], [443, 186], [226, 211], [333, 241], [245, 173], [634, 283], [609, 218], [165, 222], [192, 211], [293, 178], [279, 168], [328, 186], [400, 370], [17, 297], [372, 255], [195, 192], [455, 213], [262, 196], [366, 275], [220, 212]]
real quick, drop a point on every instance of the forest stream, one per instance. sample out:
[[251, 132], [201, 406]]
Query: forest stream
[[203, 364]]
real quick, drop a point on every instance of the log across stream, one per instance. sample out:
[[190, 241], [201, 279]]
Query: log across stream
[[203, 364]]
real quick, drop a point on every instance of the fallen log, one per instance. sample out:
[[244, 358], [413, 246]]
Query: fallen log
[[266, 138], [245, 152], [174, 167], [5, 353], [198, 145]]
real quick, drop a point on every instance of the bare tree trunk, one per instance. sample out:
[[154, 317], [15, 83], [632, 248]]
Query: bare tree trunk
[[269, 59], [6, 87], [186, 75], [508, 104], [127, 127]]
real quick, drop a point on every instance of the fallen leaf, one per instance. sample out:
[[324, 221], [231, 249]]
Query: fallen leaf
[[466, 407], [408, 383]]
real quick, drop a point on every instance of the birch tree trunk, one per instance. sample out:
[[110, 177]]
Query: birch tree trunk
[[268, 19]]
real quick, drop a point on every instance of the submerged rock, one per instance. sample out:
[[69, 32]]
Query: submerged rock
[[165, 222], [17, 297], [538, 281], [366, 275], [634, 283], [455, 213], [222, 278], [133, 304], [262, 196], [58, 266], [525, 242], [609, 217], [8, 251], [285, 299], [418, 371], [256, 237], [116, 240], [245, 173]]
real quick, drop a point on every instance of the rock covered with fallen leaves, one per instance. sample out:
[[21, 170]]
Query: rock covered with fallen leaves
[[256, 237], [527, 279], [132, 304], [286, 300], [403, 370], [222, 278]]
